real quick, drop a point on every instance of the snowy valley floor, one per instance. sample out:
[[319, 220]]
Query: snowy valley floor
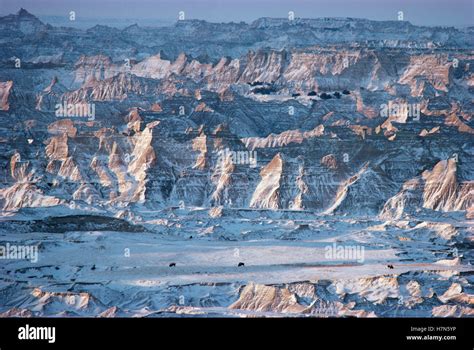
[[286, 272]]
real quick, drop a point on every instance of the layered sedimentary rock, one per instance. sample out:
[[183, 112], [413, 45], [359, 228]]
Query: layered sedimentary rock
[[5, 88], [437, 189], [299, 127]]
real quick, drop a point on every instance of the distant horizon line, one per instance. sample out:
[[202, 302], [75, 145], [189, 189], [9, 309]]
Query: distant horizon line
[[167, 20]]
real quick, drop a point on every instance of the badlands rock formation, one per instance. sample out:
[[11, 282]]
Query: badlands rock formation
[[308, 133]]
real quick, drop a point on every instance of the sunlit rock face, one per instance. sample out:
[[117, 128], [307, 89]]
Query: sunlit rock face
[[5, 87], [437, 189], [350, 131]]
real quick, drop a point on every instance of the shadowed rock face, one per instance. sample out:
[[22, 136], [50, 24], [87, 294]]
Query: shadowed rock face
[[75, 223], [328, 130]]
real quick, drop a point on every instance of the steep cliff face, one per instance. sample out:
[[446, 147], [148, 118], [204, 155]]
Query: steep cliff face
[[157, 68], [51, 96], [89, 69], [5, 88], [264, 67], [122, 163], [437, 189], [23, 193], [262, 298], [268, 192], [283, 139], [440, 186], [130, 169], [363, 192], [282, 72], [433, 69], [405, 201], [118, 87]]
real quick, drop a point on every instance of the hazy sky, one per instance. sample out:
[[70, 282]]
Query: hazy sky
[[422, 12]]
